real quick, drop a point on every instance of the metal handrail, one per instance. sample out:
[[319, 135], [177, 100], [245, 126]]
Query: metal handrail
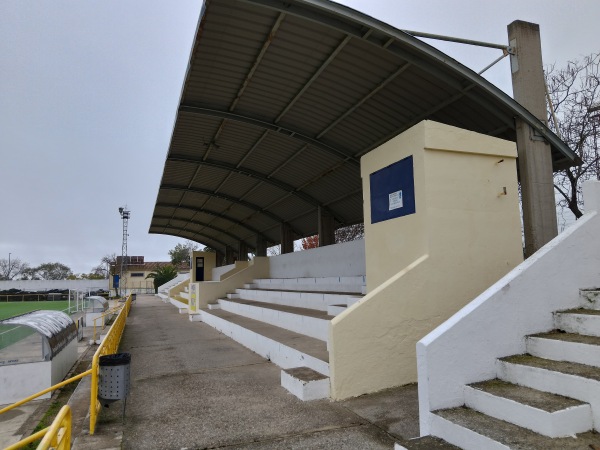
[[109, 345], [111, 311], [57, 436], [59, 433], [45, 391]]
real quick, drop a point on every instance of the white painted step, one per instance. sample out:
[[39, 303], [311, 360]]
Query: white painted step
[[282, 347], [547, 414], [232, 295], [334, 310], [305, 383], [291, 319], [462, 436], [471, 430], [333, 284], [565, 347], [590, 298], [184, 294], [580, 321], [577, 381], [312, 300]]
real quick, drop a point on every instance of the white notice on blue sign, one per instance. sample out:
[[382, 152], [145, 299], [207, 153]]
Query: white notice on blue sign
[[396, 200]]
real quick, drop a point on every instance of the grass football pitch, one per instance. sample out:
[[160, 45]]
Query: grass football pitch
[[9, 309]]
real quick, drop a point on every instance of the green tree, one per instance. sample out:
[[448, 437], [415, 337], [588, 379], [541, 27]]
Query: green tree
[[162, 275], [181, 253], [52, 271]]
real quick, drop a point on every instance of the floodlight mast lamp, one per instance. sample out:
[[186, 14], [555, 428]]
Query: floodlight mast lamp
[[125, 213]]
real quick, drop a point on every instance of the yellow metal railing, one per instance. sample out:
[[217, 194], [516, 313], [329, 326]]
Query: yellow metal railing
[[45, 391], [109, 345], [57, 436], [111, 311]]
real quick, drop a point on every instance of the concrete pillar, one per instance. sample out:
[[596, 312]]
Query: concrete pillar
[[326, 228], [220, 258], [261, 246], [242, 251], [287, 238], [228, 255], [535, 159]]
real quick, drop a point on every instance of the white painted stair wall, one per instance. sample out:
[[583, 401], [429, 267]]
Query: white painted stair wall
[[467, 348]]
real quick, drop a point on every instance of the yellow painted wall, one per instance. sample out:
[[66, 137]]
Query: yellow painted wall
[[211, 291], [210, 262], [424, 267]]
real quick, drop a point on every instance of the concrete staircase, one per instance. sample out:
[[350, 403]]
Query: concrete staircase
[[545, 399], [287, 322], [163, 290]]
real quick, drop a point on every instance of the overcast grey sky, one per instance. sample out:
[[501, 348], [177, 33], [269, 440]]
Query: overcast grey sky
[[89, 91]]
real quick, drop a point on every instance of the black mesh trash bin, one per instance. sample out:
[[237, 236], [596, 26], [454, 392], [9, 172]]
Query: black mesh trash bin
[[113, 382], [133, 297]]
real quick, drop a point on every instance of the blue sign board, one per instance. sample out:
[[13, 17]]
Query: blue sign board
[[116, 281], [393, 191]]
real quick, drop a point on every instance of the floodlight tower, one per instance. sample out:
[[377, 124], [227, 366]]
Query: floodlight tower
[[125, 216]]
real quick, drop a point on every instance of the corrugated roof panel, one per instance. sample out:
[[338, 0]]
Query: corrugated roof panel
[[273, 151], [169, 196], [349, 207], [237, 185], [209, 178]]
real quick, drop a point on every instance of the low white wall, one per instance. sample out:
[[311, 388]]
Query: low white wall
[[178, 279], [218, 271], [45, 285], [22, 380], [340, 260], [464, 349], [62, 363]]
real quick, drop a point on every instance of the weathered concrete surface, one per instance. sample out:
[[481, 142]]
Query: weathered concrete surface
[[193, 387]]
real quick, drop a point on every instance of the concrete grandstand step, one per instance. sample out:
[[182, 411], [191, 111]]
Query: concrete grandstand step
[[581, 321], [305, 321], [336, 284], [590, 298], [300, 299], [574, 380], [472, 430], [548, 414], [214, 306], [425, 443], [283, 347], [185, 294], [334, 310], [233, 295], [565, 347], [305, 383]]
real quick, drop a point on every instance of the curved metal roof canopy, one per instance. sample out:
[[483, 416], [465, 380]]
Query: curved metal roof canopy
[[283, 97]]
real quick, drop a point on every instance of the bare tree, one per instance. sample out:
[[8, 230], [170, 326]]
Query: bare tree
[[575, 94], [12, 270], [350, 233]]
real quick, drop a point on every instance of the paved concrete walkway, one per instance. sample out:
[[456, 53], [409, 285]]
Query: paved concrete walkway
[[192, 387]]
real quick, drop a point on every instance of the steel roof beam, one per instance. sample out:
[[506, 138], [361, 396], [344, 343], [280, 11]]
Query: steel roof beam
[[200, 223], [212, 241], [191, 109], [257, 61], [212, 213], [253, 174], [229, 198]]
